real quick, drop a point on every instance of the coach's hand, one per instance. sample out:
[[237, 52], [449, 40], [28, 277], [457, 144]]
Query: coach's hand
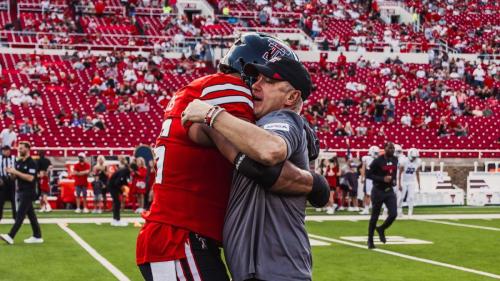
[[195, 112], [387, 179]]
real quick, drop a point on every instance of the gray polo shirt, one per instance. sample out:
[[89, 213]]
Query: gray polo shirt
[[264, 234]]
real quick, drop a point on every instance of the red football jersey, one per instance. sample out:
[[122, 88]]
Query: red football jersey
[[192, 182]]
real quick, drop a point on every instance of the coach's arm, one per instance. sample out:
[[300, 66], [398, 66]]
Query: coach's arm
[[284, 178]]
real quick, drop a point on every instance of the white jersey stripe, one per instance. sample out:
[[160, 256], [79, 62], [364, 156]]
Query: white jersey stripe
[[224, 87], [163, 271], [230, 99], [192, 263], [180, 271]]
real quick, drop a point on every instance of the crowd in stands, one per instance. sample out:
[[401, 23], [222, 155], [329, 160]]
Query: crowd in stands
[[436, 86]]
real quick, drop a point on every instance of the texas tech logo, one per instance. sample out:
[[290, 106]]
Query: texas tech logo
[[275, 50]]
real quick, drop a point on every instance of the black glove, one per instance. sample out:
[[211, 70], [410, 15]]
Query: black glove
[[320, 193], [312, 141]]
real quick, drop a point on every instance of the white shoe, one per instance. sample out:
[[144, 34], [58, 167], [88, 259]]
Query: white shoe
[[33, 240], [7, 238], [330, 211], [41, 210], [118, 223], [99, 211], [94, 211], [341, 208], [86, 211], [139, 210], [365, 211], [319, 209], [48, 209], [78, 211], [350, 209], [356, 209]]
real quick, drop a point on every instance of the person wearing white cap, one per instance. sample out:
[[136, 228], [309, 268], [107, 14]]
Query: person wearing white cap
[[80, 173]]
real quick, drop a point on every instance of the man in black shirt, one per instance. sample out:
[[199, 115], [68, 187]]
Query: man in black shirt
[[25, 174], [383, 174], [115, 184]]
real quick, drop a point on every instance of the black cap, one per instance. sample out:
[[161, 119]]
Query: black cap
[[284, 69], [5, 147]]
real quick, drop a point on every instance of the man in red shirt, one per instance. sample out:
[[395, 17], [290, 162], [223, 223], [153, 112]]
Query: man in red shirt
[[81, 171], [183, 231]]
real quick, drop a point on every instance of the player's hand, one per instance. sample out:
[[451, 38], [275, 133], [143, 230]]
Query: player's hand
[[387, 179], [400, 188], [195, 112]]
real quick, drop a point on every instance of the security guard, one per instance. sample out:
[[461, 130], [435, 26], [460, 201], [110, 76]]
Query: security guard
[[25, 175], [383, 174]]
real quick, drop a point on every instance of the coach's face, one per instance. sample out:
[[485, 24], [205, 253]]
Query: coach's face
[[389, 150], [270, 95]]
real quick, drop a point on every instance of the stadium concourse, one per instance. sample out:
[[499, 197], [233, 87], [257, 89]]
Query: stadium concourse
[[95, 77]]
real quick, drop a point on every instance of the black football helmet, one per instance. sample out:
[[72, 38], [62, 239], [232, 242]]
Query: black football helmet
[[253, 48]]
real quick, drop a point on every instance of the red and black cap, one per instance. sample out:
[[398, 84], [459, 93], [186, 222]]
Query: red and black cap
[[283, 69]]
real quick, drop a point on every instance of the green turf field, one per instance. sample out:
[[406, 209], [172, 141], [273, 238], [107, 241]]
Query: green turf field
[[469, 244]]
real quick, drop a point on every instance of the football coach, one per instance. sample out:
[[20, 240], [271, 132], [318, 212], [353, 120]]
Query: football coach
[[264, 235]]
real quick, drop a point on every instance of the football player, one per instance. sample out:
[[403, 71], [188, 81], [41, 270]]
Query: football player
[[183, 231], [409, 180], [367, 160]]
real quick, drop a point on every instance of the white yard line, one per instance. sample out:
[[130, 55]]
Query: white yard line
[[102, 260], [463, 225], [456, 267], [319, 218]]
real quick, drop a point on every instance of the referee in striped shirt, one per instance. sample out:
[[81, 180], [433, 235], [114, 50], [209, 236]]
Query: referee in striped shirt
[[7, 184]]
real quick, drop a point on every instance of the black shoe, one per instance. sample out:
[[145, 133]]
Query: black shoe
[[371, 245], [381, 234]]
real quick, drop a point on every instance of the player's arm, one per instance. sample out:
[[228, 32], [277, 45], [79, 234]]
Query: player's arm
[[401, 171], [259, 144], [362, 172], [418, 178]]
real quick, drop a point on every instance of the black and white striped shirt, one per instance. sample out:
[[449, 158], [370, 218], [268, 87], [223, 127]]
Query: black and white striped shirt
[[6, 162]]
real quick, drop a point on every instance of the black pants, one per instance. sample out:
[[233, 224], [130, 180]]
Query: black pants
[[8, 193], [203, 260], [117, 203], [26, 208], [380, 197]]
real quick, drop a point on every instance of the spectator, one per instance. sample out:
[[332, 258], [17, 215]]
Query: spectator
[[81, 171], [479, 76], [25, 127], [443, 128], [37, 128], [100, 107], [139, 175], [361, 130], [406, 120], [8, 136], [99, 184]]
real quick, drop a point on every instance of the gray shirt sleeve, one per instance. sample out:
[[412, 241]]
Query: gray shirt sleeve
[[286, 124]]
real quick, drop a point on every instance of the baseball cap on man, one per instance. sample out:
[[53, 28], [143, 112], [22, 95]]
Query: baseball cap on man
[[81, 155], [283, 69], [5, 147]]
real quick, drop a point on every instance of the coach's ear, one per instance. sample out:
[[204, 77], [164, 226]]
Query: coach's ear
[[292, 98]]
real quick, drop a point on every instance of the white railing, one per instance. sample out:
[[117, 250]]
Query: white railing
[[23, 38], [438, 152], [108, 10], [325, 153]]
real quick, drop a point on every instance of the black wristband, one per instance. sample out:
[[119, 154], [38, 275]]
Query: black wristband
[[265, 176], [320, 193]]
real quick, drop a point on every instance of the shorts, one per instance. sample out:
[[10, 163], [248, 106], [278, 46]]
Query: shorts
[[353, 192], [202, 261], [140, 187], [368, 187], [344, 187], [81, 191]]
